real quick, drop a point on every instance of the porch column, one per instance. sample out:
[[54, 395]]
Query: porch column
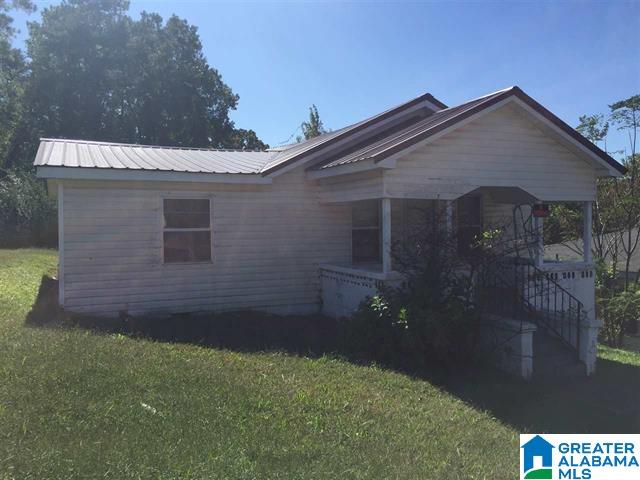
[[587, 219], [386, 235], [538, 223]]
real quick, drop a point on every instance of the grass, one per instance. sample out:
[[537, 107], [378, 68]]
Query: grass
[[81, 404]]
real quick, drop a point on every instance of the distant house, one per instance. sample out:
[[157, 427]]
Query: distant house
[[308, 227]]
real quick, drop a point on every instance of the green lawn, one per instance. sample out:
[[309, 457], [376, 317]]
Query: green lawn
[[77, 404]]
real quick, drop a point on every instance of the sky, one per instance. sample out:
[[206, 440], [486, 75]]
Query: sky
[[355, 59]]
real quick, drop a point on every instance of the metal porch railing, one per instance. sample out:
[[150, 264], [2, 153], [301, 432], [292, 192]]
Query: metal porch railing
[[514, 287]]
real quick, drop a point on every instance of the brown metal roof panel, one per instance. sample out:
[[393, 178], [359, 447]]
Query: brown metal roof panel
[[446, 118], [317, 143], [393, 138]]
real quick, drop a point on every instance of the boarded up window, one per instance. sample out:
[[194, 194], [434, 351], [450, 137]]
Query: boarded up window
[[187, 230], [365, 235]]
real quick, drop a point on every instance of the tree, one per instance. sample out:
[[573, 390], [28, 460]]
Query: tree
[[593, 127], [242, 139], [95, 73], [625, 114], [314, 126], [13, 70], [616, 216], [605, 240]]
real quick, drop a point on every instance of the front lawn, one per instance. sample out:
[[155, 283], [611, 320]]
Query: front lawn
[[79, 404]]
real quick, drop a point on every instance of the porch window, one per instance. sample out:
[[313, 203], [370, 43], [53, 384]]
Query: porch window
[[469, 225], [365, 235], [186, 230]]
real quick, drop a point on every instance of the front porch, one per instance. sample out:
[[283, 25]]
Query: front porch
[[541, 297]]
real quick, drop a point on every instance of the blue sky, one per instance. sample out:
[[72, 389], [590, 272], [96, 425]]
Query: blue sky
[[355, 59]]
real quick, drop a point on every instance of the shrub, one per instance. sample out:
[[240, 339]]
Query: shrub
[[27, 214], [396, 328], [431, 318], [619, 312]]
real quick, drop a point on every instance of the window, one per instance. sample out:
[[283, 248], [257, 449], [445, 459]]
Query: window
[[365, 235], [187, 230], [469, 226]]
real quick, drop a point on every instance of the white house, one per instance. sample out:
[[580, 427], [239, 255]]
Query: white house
[[309, 226]]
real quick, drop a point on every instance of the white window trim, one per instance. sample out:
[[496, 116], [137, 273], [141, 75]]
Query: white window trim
[[185, 196]]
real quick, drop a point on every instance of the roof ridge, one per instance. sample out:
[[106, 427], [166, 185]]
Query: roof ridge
[[310, 145], [140, 145], [497, 92]]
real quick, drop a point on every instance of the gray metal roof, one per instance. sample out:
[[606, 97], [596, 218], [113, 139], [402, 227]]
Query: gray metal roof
[[80, 153], [379, 144]]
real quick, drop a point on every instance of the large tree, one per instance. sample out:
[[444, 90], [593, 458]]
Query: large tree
[[96, 73], [625, 115], [13, 70]]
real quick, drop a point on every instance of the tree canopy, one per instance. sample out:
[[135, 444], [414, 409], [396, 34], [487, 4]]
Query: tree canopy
[[13, 71], [96, 73], [314, 126], [593, 127]]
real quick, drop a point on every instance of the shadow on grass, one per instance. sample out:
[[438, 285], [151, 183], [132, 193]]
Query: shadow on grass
[[604, 403]]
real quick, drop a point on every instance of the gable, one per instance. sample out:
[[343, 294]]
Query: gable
[[503, 147]]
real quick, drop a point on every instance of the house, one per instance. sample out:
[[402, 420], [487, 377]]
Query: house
[[309, 227]]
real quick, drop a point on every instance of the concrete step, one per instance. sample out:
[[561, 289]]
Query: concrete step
[[553, 359]]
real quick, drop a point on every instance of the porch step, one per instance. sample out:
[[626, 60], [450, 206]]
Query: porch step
[[552, 359]]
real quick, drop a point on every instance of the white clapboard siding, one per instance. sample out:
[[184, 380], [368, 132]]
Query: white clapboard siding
[[352, 187], [501, 148], [268, 241]]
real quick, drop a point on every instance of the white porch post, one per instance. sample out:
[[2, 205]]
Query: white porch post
[[587, 219], [539, 231], [386, 235]]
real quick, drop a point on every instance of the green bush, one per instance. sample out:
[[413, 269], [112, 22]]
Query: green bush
[[619, 312], [27, 214], [398, 328]]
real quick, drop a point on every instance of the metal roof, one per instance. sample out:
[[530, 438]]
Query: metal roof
[[298, 151], [382, 143], [376, 148], [400, 140], [80, 153]]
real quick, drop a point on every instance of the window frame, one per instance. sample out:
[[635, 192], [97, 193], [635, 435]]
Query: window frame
[[481, 203], [163, 229], [378, 228]]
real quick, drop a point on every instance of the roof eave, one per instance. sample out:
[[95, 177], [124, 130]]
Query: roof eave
[[125, 174], [615, 168]]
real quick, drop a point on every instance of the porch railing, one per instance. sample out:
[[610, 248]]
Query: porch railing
[[515, 287]]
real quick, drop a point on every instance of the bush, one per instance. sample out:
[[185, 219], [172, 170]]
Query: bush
[[396, 328], [620, 312], [435, 317], [27, 214], [431, 318]]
